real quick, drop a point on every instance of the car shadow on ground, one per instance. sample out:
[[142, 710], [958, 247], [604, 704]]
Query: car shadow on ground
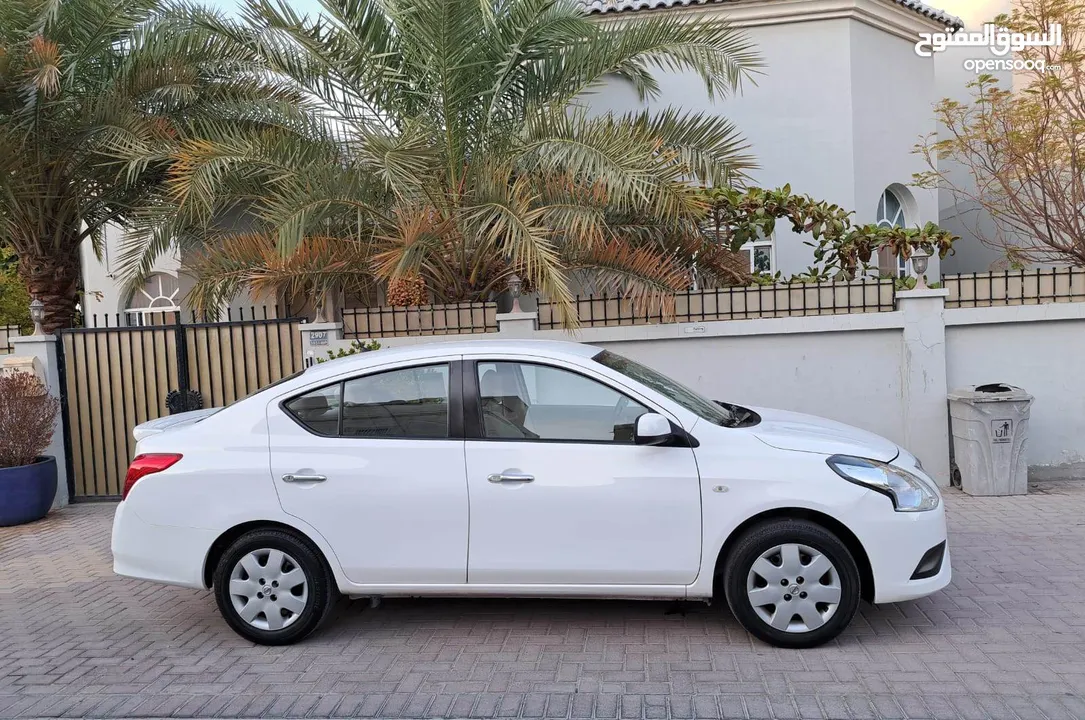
[[618, 619]]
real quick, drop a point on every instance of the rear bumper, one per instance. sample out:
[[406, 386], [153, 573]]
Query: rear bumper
[[159, 553], [896, 543]]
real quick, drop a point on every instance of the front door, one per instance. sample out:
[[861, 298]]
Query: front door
[[375, 464], [561, 495]]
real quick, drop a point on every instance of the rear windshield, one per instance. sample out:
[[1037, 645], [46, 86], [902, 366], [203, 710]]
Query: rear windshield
[[280, 381]]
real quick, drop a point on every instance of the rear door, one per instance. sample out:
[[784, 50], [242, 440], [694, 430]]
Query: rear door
[[376, 464], [560, 494]]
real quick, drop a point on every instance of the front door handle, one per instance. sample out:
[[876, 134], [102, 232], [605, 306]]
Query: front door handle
[[510, 476], [291, 478]]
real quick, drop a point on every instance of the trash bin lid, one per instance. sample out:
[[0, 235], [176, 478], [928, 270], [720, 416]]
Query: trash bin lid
[[990, 392]]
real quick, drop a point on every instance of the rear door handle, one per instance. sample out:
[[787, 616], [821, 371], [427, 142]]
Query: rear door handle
[[511, 477], [290, 478]]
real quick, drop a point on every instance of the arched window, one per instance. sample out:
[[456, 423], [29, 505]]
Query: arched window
[[890, 210], [159, 294], [891, 214]]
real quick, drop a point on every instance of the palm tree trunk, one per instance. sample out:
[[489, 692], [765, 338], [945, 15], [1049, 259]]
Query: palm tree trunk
[[53, 279]]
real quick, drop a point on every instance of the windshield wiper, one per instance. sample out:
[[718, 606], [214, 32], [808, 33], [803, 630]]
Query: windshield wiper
[[740, 416]]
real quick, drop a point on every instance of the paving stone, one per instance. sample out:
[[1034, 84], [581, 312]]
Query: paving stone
[[1005, 640]]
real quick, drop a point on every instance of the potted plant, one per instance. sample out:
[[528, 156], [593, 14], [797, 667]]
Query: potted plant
[[28, 480]]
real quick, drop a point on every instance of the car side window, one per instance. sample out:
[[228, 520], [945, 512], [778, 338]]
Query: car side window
[[407, 403], [317, 410], [526, 401]]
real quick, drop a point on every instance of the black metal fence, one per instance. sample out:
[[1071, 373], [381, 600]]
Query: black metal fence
[[115, 378], [7, 332], [130, 318], [1015, 287], [450, 319], [732, 303]]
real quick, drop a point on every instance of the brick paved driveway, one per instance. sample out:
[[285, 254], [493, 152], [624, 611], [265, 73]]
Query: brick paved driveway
[[1006, 640]]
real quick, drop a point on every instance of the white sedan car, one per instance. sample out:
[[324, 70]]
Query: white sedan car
[[523, 468]]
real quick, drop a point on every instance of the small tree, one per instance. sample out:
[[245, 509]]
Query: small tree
[[737, 217], [14, 298], [1024, 149]]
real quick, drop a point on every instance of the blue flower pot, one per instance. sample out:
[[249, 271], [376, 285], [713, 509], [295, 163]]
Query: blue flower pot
[[27, 492]]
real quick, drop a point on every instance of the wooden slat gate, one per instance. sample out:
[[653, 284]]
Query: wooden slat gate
[[116, 378]]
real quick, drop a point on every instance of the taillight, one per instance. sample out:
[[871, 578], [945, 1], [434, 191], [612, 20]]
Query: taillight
[[143, 465]]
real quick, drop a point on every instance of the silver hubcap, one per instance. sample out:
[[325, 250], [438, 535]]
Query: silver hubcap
[[793, 588], [268, 589]]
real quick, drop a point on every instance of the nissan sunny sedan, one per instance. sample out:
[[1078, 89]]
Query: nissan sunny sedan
[[523, 468]]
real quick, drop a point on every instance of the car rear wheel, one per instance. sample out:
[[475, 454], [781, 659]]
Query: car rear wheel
[[792, 583], [272, 587]]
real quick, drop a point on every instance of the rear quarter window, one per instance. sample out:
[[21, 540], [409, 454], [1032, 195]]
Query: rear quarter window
[[317, 410]]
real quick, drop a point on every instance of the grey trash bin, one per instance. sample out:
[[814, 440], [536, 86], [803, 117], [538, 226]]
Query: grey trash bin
[[990, 427]]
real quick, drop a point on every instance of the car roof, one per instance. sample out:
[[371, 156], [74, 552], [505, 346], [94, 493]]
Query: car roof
[[438, 348]]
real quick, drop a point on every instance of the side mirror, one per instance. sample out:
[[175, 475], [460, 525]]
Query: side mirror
[[652, 429]]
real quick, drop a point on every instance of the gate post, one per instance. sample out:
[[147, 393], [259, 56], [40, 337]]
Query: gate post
[[44, 349], [317, 338], [924, 387], [518, 324]]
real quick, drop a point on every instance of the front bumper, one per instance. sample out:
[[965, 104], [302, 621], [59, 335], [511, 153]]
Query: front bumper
[[895, 544], [159, 553]]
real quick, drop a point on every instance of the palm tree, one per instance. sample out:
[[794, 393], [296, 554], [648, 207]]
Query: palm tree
[[319, 269], [450, 143], [79, 78]]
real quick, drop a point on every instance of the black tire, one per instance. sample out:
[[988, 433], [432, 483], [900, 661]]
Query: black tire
[[763, 538], [319, 584]]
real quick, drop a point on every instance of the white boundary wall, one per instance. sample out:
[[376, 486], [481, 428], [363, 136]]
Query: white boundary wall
[[887, 372], [1040, 348]]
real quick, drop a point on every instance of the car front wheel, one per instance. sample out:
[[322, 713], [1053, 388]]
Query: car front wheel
[[272, 588], [792, 583]]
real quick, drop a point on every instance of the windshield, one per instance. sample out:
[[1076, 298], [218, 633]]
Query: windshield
[[717, 413]]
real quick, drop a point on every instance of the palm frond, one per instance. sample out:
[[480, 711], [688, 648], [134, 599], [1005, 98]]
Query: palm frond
[[723, 57], [319, 267], [510, 225], [648, 276]]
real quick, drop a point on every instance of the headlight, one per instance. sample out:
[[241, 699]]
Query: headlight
[[909, 492]]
